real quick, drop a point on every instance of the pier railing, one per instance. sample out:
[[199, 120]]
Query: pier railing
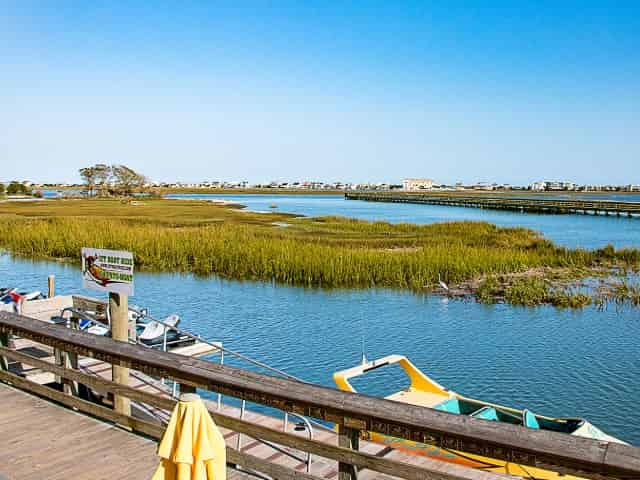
[[351, 412]]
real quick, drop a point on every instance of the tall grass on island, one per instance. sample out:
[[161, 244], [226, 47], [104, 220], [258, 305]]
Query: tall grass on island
[[205, 238]]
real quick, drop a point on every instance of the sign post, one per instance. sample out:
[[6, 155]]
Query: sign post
[[112, 271], [119, 313]]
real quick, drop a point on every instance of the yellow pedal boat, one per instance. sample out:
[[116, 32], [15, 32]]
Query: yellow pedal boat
[[425, 392]]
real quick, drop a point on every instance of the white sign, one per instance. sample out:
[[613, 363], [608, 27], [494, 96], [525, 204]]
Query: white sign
[[107, 270]]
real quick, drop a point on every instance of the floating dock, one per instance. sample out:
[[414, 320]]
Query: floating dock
[[505, 202]]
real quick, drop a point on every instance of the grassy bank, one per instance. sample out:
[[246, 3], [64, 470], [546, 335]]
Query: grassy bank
[[201, 237]]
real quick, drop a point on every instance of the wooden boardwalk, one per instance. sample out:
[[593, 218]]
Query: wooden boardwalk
[[42, 440], [505, 202], [39, 440], [33, 436], [282, 455]]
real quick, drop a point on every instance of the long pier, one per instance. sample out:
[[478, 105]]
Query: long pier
[[505, 202]]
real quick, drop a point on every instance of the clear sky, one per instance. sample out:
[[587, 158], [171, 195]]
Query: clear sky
[[363, 91]]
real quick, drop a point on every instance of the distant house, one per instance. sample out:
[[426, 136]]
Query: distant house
[[483, 186], [417, 184]]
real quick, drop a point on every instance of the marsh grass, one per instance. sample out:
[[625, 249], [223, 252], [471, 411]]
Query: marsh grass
[[527, 292], [204, 238]]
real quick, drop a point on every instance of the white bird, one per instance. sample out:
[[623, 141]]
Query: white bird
[[442, 284]]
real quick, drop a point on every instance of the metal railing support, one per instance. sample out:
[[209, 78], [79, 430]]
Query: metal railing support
[[308, 427], [243, 408]]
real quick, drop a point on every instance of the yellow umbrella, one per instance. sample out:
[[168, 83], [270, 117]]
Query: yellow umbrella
[[192, 447]]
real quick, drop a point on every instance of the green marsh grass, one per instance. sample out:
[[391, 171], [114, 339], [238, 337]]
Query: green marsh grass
[[204, 238]]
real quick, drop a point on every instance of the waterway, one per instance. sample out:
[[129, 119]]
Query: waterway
[[573, 231], [554, 362]]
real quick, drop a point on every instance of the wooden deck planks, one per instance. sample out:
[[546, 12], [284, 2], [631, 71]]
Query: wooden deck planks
[[39, 439]]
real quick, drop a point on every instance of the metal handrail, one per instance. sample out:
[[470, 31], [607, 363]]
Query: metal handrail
[[308, 427], [82, 314], [257, 363], [145, 314], [223, 350]]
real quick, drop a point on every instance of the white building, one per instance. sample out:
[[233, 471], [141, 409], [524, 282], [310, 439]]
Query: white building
[[417, 184]]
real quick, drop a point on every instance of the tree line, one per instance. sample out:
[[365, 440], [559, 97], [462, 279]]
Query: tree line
[[105, 180], [17, 188]]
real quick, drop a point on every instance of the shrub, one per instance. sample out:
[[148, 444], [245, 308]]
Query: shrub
[[489, 290], [527, 292]]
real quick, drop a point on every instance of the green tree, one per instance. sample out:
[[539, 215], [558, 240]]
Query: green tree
[[127, 180], [88, 175], [17, 188], [2, 189], [103, 175]]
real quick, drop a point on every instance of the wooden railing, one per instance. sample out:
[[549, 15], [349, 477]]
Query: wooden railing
[[352, 412]]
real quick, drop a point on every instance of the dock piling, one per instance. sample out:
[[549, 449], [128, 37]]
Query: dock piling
[[119, 314], [51, 284]]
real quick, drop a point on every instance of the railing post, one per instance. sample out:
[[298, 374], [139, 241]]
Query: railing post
[[59, 361], [184, 388], [348, 438], [4, 342], [70, 360], [119, 314]]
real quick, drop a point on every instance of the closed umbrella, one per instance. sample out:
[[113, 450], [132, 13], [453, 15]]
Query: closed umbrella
[[192, 447]]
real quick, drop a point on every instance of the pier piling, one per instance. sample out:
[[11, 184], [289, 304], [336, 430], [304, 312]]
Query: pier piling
[[51, 284], [119, 313]]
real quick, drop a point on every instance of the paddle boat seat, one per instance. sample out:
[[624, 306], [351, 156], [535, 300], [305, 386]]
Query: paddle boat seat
[[452, 406], [486, 413], [529, 420]]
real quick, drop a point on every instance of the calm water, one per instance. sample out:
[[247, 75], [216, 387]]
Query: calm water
[[569, 230], [554, 362]]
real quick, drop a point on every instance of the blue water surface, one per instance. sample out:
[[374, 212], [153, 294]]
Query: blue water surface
[[555, 362], [573, 231]]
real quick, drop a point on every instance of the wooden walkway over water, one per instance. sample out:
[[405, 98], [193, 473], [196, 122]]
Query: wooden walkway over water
[[264, 446], [505, 202]]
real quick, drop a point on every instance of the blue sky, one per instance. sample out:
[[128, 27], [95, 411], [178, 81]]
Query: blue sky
[[364, 91]]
